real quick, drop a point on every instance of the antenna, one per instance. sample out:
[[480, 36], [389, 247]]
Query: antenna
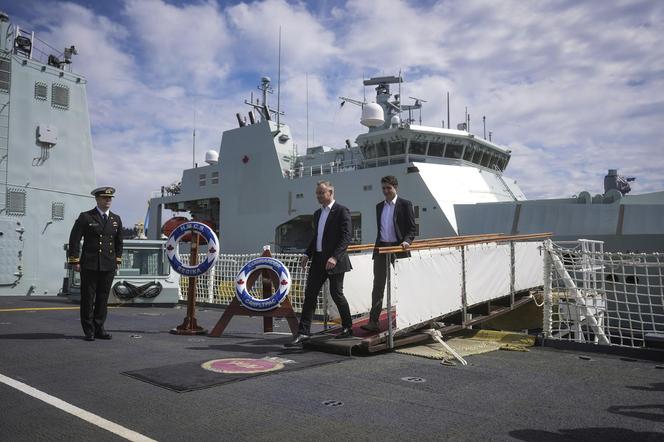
[[193, 154], [484, 123], [448, 110], [307, 83], [279, 79]]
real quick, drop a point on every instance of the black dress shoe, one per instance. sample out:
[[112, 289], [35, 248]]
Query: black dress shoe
[[346, 332], [370, 327], [104, 336], [297, 342], [89, 338]]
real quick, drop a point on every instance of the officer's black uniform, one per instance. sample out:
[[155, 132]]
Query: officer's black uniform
[[102, 253]]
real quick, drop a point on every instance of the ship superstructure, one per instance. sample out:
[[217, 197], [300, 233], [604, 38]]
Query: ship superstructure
[[257, 191], [46, 166]]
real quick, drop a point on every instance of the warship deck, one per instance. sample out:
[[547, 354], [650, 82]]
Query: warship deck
[[542, 395]]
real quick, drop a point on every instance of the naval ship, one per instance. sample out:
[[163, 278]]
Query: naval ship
[[44, 136], [257, 190]]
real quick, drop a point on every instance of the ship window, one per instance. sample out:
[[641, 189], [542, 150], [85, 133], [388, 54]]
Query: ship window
[[486, 159], [493, 164], [369, 151], [201, 179], [60, 96], [15, 201], [477, 158], [397, 148], [215, 178], [41, 90], [57, 211], [5, 67], [417, 229], [381, 149], [436, 149], [453, 151], [368, 187], [416, 209], [468, 154], [299, 195], [418, 147]]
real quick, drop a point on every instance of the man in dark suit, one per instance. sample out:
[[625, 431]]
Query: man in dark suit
[[395, 221], [101, 231], [329, 260]]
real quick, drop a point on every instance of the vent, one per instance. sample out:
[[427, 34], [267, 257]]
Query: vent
[[57, 211], [15, 202], [60, 96], [41, 90], [5, 70]]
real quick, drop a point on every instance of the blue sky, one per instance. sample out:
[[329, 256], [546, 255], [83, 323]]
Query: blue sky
[[572, 88]]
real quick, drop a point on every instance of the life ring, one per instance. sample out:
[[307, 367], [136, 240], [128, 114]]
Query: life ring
[[262, 305], [212, 249]]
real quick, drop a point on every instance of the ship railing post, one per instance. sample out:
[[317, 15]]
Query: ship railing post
[[512, 274], [390, 332], [463, 286], [548, 289]]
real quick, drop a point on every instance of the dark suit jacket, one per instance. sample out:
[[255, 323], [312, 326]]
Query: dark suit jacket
[[336, 237], [404, 223], [102, 243]]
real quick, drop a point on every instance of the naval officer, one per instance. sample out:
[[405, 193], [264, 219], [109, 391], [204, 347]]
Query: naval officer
[[395, 223], [329, 260], [101, 231]]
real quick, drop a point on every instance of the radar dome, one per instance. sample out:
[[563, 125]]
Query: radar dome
[[211, 157], [372, 115], [395, 121]]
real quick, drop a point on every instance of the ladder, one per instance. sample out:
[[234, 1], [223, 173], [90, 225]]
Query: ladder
[[5, 86]]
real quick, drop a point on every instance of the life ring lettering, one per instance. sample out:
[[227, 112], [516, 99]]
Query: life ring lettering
[[212, 249], [262, 305]]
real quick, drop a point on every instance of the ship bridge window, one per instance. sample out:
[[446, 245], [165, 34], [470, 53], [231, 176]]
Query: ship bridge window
[[381, 149], [60, 96], [486, 159], [41, 90], [468, 154], [453, 151], [369, 151], [436, 149], [5, 67], [493, 164], [417, 147], [477, 157], [502, 162], [397, 148]]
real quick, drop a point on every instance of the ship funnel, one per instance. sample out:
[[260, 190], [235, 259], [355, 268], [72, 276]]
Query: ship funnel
[[211, 157], [372, 115]]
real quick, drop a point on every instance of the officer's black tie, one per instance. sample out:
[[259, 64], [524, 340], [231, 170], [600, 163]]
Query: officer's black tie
[[105, 217]]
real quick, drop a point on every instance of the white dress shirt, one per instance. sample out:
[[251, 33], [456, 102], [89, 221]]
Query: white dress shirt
[[387, 231], [102, 213], [325, 211]]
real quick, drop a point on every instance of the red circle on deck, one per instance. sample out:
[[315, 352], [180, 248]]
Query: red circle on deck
[[242, 365]]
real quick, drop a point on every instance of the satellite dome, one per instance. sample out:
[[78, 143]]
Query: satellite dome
[[395, 121], [211, 157], [372, 115]]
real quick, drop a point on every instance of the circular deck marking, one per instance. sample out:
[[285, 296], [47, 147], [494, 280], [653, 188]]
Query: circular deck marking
[[242, 365]]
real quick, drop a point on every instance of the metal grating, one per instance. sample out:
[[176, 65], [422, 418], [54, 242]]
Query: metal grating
[[41, 90], [57, 211], [15, 202], [60, 96]]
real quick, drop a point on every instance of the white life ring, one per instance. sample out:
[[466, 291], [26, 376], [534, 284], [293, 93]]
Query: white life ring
[[212, 249], [262, 305]]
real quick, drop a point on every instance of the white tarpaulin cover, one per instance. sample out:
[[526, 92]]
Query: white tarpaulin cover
[[529, 265], [426, 285], [487, 272]]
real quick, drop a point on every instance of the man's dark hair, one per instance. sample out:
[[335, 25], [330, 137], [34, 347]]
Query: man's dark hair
[[391, 180]]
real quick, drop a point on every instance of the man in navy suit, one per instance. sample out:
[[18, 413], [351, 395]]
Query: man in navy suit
[[101, 231], [395, 221], [329, 260]]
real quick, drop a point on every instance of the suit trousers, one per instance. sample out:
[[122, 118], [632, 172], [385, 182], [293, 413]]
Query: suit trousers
[[380, 278], [95, 288], [315, 280]]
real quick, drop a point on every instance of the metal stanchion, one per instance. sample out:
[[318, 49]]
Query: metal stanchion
[[390, 333]]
